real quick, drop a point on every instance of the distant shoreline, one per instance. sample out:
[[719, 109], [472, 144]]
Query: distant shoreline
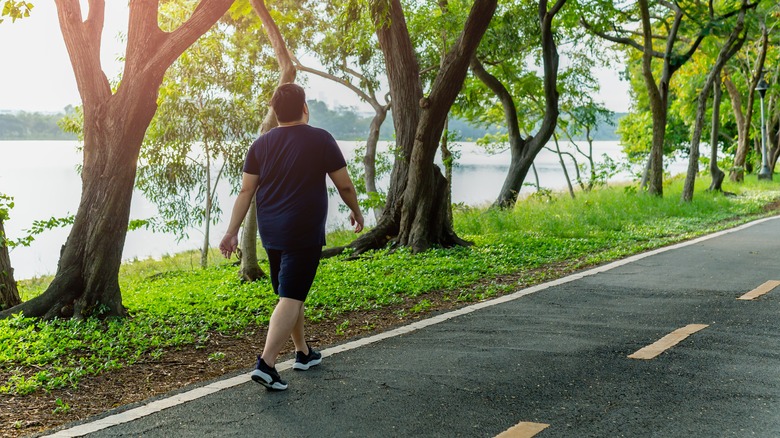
[[344, 123]]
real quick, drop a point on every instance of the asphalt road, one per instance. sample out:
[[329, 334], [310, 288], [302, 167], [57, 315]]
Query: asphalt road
[[558, 356]]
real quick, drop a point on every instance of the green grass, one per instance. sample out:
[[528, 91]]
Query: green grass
[[174, 304]]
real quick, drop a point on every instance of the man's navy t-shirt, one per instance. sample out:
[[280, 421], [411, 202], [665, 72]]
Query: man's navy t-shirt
[[292, 198]]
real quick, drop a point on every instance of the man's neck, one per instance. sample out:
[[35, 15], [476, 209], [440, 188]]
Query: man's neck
[[296, 123]]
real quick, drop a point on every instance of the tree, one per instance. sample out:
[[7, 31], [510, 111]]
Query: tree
[[716, 174], [86, 282], [9, 294], [727, 51], [250, 270], [356, 66], [503, 36], [210, 104], [582, 119], [655, 18], [747, 71], [416, 213]]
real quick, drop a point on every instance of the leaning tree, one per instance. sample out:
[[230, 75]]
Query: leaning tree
[[416, 214], [661, 23], [503, 51], [727, 50], [115, 121]]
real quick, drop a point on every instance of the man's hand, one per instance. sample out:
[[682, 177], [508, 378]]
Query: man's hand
[[356, 219], [228, 245]]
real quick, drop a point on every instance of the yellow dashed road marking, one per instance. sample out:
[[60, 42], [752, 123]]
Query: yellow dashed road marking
[[667, 342], [523, 430], [761, 290]]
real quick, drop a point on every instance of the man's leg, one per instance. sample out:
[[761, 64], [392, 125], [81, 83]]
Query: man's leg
[[284, 320], [297, 334]]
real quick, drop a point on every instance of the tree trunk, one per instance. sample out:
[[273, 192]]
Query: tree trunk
[[658, 94], [743, 124], [737, 173], [9, 295], [87, 279], [773, 125], [717, 175], [369, 159], [658, 97], [86, 282], [563, 167], [250, 270], [727, 51], [524, 150], [204, 253], [448, 160], [416, 208]]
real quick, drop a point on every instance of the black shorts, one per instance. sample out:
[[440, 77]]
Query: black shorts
[[293, 271]]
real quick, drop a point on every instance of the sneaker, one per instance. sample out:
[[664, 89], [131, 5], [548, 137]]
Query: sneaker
[[268, 376], [305, 361]]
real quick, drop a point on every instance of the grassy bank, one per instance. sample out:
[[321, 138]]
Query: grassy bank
[[174, 305]]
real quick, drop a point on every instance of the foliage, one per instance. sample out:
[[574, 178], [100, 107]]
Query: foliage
[[384, 164], [33, 126], [636, 135], [211, 104], [15, 10], [38, 226], [174, 305]]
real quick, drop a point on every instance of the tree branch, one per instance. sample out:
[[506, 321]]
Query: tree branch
[[510, 110], [171, 45], [619, 40], [339, 80], [286, 66], [82, 40]]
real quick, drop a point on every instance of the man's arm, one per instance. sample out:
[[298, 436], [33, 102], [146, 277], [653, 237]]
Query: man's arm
[[243, 201], [349, 195]]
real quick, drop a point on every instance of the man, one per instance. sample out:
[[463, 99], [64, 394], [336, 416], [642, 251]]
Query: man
[[286, 168]]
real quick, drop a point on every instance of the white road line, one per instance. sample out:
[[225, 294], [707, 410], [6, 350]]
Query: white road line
[[158, 405], [667, 342], [761, 290], [523, 430]]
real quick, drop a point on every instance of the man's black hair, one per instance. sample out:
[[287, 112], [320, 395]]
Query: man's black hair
[[287, 102]]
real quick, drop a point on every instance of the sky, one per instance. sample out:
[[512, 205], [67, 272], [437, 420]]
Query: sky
[[36, 74]]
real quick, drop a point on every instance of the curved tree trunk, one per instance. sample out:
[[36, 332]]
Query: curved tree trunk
[[86, 282], [737, 173], [87, 278], [369, 159], [250, 270], [716, 173], [658, 94], [9, 295], [743, 124], [524, 150], [727, 51]]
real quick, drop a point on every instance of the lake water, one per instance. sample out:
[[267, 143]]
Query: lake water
[[42, 178]]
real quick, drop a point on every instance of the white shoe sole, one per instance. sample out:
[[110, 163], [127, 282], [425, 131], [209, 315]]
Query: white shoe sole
[[304, 367], [266, 380]]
